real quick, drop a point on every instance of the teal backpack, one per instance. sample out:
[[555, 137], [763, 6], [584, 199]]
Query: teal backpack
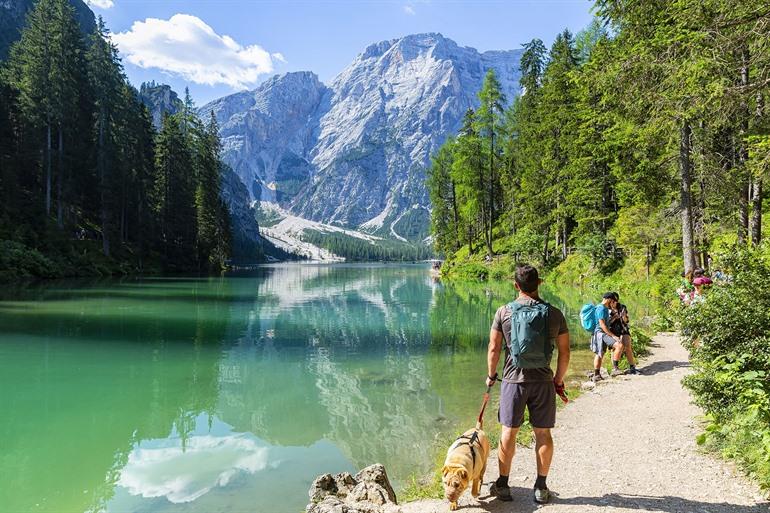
[[588, 317], [530, 346]]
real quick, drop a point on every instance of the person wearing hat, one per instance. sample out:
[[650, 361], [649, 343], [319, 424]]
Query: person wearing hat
[[604, 339]]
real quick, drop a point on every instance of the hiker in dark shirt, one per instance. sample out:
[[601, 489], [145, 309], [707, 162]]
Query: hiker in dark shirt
[[528, 380], [619, 327], [603, 339]]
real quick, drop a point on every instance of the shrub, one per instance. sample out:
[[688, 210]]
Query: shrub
[[19, 261], [730, 353]]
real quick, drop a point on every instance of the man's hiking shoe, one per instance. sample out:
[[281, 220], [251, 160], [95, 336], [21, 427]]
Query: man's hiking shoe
[[616, 372], [634, 371], [501, 492], [542, 495], [597, 378]]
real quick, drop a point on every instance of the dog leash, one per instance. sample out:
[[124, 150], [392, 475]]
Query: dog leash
[[484, 403]]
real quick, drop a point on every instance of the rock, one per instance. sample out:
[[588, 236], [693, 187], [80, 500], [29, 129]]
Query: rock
[[588, 385], [160, 100], [375, 474], [345, 483], [329, 504], [369, 491], [322, 486]]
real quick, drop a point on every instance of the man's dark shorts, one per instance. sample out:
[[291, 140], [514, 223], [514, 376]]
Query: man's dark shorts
[[538, 397]]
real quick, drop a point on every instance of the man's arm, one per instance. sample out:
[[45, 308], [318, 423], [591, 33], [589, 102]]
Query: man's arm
[[562, 342], [605, 329], [493, 353]]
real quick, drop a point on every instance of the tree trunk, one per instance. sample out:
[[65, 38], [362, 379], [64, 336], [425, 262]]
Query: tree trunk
[[59, 181], [545, 245], [685, 169], [48, 170], [756, 212], [647, 262], [702, 208], [564, 240], [742, 153], [103, 186], [756, 193], [470, 239], [491, 188], [456, 217]]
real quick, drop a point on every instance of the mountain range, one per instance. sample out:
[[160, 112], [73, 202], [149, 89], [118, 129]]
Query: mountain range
[[354, 153], [350, 154]]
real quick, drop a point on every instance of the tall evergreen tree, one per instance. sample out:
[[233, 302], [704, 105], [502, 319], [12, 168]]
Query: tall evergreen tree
[[489, 121], [107, 81]]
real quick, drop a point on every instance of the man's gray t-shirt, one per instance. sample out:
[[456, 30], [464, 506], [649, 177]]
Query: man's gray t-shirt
[[557, 325]]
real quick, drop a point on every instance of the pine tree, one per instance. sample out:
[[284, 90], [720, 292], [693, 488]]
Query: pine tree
[[489, 121], [174, 195], [443, 197], [213, 237], [106, 77]]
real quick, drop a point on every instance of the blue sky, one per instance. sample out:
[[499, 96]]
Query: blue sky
[[217, 47]]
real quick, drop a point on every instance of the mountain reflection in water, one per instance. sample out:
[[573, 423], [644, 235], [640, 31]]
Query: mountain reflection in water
[[233, 393]]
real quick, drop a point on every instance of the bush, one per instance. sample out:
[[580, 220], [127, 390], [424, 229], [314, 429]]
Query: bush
[[19, 261], [730, 353]]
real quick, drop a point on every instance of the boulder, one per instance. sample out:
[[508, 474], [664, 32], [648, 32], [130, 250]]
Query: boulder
[[369, 491], [376, 475], [322, 486]]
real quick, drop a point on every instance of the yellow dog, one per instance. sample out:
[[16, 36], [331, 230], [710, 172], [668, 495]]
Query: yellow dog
[[466, 462]]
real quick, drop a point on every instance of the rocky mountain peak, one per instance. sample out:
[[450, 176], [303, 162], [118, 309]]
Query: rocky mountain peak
[[159, 99], [354, 154]]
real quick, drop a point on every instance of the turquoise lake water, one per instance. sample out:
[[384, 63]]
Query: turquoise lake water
[[232, 393]]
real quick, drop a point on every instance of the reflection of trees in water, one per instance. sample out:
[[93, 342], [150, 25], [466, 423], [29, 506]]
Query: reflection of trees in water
[[462, 314], [342, 359], [294, 354], [137, 376]]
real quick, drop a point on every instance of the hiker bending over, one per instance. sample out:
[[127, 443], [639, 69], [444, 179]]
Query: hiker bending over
[[619, 327], [528, 380], [604, 339]]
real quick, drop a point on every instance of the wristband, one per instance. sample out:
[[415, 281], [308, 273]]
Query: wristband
[[493, 377]]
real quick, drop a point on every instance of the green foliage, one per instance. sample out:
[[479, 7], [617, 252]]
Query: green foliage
[[81, 167], [646, 131], [17, 261], [728, 343]]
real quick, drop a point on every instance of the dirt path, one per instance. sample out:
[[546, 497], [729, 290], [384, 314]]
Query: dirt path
[[656, 467]]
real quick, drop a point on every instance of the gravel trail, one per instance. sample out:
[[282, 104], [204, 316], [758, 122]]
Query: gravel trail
[[626, 446]]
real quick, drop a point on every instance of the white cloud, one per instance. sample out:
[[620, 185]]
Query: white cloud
[[185, 45], [101, 4], [409, 10], [182, 475]]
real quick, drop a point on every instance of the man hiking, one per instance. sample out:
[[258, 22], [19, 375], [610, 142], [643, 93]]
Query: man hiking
[[603, 339], [530, 328], [619, 327]]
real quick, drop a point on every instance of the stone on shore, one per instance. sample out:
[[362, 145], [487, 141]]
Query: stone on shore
[[369, 491]]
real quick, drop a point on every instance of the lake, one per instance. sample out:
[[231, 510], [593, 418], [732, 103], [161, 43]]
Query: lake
[[233, 393]]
